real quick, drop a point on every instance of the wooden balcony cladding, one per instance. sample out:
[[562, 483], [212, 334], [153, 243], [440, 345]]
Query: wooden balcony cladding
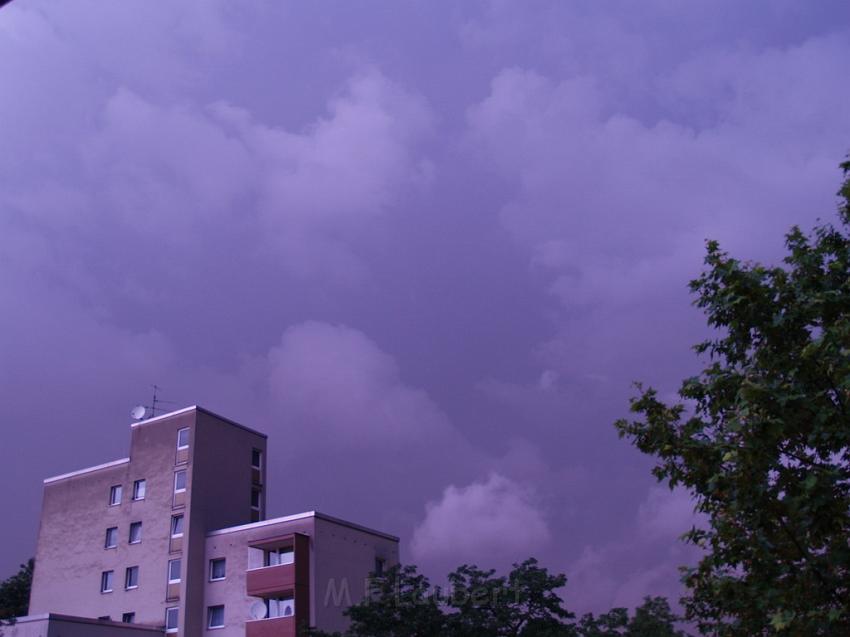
[[270, 580], [275, 627]]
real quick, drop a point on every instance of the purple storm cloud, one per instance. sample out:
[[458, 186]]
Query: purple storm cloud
[[426, 247]]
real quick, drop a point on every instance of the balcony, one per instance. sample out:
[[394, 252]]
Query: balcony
[[270, 580], [274, 627]]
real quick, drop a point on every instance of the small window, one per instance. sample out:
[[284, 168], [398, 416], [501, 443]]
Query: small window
[[280, 607], [379, 567], [174, 571], [128, 618], [217, 569], [255, 499], [280, 556], [183, 438], [131, 577], [106, 581], [111, 538], [180, 481], [139, 488], [256, 458], [215, 617], [115, 495], [171, 618], [177, 525], [135, 532]]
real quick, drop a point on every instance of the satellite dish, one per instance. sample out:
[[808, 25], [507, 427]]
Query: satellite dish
[[258, 610], [137, 412]]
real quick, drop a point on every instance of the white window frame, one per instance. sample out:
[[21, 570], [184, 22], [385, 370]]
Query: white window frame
[[116, 492], [135, 525], [179, 568], [176, 611], [280, 602], [212, 563], [128, 618], [180, 431], [107, 579], [106, 543], [185, 480], [259, 504], [267, 558], [136, 489], [173, 525], [127, 585], [210, 610], [260, 454]]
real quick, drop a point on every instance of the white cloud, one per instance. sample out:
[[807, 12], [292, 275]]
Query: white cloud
[[335, 381], [495, 520]]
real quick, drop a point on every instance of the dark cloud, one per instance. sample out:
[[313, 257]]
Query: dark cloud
[[425, 248]]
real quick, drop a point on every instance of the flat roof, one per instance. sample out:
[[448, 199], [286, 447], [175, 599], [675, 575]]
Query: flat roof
[[80, 472], [49, 617], [184, 410], [302, 516]]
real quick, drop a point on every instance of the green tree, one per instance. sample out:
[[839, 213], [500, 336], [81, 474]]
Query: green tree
[[15, 593], [761, 438], [523, 604], [653, 618], [402, 604], [480, 604]]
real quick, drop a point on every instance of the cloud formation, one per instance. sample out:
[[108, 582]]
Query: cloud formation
[[418, 245], [496, 520]]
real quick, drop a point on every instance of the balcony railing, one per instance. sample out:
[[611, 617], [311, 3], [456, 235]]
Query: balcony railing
[[270, 580], [273, 627]]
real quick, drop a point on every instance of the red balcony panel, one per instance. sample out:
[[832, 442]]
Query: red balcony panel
[[275, 627], [263, 582]]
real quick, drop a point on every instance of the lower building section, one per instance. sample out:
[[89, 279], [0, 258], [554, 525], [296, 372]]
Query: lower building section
[[50, 625]]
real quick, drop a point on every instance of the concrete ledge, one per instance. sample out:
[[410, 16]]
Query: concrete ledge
[[50, 624]]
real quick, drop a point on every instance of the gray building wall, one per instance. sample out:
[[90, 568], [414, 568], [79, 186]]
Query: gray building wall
[[53, 625], [220, 485], [216, 505], [341, 557], [344, 556], [70, 554]]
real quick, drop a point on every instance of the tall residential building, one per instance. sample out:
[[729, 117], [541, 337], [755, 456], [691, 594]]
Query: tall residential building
[[175, 539]]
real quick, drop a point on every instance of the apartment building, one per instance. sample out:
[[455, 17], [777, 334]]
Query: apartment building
[[174, 540]]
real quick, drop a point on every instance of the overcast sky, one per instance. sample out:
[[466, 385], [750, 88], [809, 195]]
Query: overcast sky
[[425, 246]]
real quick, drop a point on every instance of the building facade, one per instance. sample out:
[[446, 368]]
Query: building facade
[[175, 539]]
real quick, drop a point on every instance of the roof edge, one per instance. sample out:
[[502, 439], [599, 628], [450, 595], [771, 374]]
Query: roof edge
[[80, 472], [204, 410], [302, 516]]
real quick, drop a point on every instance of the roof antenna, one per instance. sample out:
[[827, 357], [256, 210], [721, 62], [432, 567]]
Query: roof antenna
[[142, 412], [156, 400]]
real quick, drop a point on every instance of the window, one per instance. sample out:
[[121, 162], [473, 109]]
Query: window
[[139, 488], [135, 532], [183, 438], [111, 538], [217, 569], [177, 525], [131, 577], [280, 607], [280, 556], [115, 495], [106, 581], [379, 567], [128, 618], [255, 499], [256, 458], [171, 617], [180, 481], [215, 617], [174, 571]]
